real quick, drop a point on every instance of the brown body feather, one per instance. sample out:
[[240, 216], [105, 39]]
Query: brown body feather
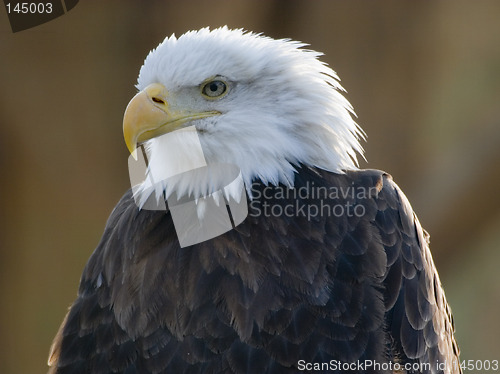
[[273, 291]]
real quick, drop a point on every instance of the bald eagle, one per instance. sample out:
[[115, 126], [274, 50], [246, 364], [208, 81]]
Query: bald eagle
[[329, 269]]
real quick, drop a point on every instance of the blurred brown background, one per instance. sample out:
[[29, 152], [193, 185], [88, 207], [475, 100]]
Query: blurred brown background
[[424, 78]]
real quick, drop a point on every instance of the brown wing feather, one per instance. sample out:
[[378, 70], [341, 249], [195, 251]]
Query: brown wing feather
[[419, 316]]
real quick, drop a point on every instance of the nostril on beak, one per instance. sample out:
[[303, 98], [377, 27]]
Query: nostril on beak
[[158, 100]]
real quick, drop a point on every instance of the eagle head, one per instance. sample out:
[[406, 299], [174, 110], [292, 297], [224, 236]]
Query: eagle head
[[264, 105]]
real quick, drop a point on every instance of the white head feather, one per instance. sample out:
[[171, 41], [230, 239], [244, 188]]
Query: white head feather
[[283, 107]]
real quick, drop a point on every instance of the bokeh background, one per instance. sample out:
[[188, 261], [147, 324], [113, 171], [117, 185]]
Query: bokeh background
[[424, 78]]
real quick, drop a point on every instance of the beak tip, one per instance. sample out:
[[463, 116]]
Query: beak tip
[[134, 154], [130, 141]]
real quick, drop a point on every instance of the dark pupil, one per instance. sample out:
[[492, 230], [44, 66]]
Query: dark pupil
[[214, 87]]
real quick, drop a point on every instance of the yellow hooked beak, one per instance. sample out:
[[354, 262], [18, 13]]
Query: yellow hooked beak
[[149, 115]]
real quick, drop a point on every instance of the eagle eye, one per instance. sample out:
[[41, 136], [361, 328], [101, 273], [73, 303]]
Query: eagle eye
[[214, 89]]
